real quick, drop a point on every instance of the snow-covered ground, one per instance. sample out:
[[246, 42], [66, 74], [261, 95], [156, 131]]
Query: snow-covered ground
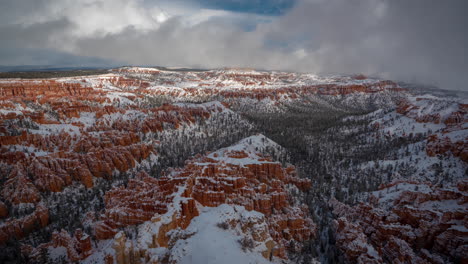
[[211, 244]]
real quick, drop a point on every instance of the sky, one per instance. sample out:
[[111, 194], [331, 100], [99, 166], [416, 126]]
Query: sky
[[410, 40]]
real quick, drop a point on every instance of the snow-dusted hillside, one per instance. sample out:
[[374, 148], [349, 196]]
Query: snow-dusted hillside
[[141, 164], [231, 204]]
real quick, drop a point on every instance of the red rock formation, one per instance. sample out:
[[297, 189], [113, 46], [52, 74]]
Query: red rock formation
[[88, 132], [48, 90], [19, 228], [104, 230], [116, 145], [3, 210], [421, 110], [438, 146], [137, 203], [123, 82], [77, 247], [360, 77], [137, 70], [418, 226], [83, 133], [351, 239], [19, 189], [210, 182], [260, 92]]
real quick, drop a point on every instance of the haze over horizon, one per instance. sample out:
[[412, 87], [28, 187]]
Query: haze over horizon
[[421, 41]]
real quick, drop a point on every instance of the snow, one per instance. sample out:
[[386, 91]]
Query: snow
[[56, 253], [205, 241], [140, 69], [47, 129], [86, 118], [399, 125], [150, 228], [460, 228], [422, 163], [251, 145], [6, 112], [430, 104], [445, 205], [104, 248], [120, 97], [208, 80], [211, 244], [388, 195], [206, 106], [459, 135], [29, 149]]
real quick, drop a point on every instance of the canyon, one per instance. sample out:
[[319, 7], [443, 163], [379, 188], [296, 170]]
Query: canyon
[[138, 164]]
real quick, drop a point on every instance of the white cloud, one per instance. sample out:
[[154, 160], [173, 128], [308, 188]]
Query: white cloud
[[419, 40]]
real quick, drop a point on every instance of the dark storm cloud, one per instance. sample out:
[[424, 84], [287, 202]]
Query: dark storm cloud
[[208, 44], [26, 44], [418, 40], [12, 9]]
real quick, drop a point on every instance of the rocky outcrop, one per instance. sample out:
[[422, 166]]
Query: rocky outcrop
[[116, 132], [80, 158], [19, 189], [58, 133], [251, 180], [19, 228], [3, 210], [448, 140], [354, 243], [137, 70], [123, 82], [259, 92], [78, 247], [46, 91], [54, 133], [419, 223], [439, 146], [138, 202]]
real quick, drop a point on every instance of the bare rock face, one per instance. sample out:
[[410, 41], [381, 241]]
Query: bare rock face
[[3, 210], [251, 180], [54, 133], [123, 82], [78, 247], [260, 92], [57, 134], [104, 230], [138, 70], [44, 88], [406, 222], [19, 228], [79, 152], [440, 146], [455, 117], [139, 202], [357, 249], [19, 189]]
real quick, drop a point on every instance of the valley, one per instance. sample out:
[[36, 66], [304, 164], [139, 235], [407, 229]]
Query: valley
[[138, 165]]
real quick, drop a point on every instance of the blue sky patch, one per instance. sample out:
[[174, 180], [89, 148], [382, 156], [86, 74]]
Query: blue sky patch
[[262, 7]]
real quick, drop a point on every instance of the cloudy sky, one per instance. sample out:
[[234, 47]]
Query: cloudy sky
[[412, 40]]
